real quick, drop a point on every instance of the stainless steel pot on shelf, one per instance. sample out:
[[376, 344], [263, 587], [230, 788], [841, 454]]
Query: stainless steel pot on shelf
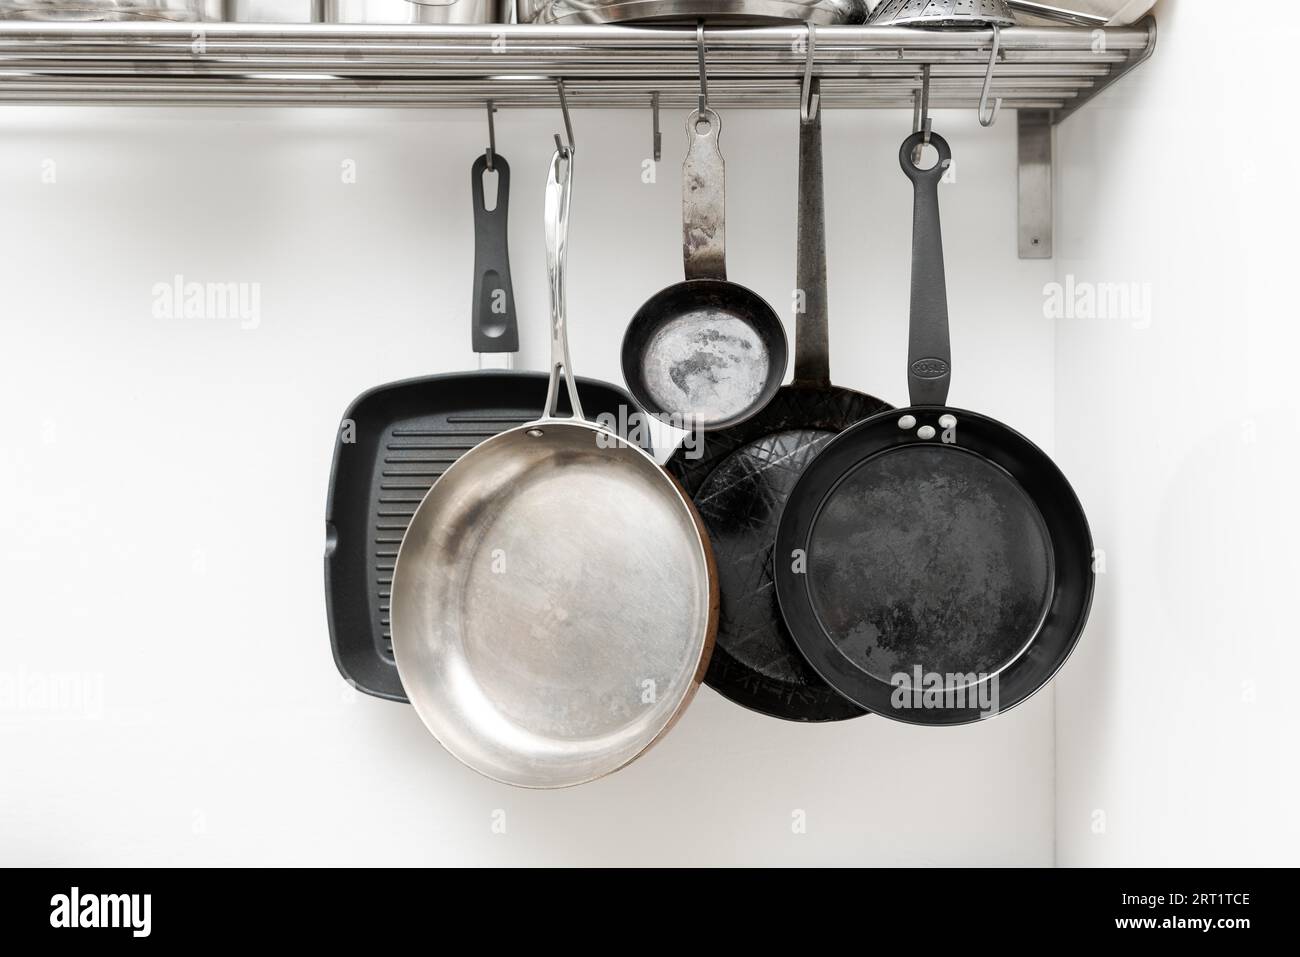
[[412, 11], [820, 12], [949, 14], [98, 10], [274, 11], [185, 11], [1112, 13], [977, 14]]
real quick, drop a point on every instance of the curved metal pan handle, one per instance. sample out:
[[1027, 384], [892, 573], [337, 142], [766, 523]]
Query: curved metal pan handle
[[558, 187], [704, 232], [929, 354]]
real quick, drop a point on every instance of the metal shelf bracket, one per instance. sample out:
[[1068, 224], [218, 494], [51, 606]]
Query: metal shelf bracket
[[1034, 133], [1035, 160]]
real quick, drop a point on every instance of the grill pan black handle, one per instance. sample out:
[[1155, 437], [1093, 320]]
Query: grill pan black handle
[[496, 326], [929, 355]]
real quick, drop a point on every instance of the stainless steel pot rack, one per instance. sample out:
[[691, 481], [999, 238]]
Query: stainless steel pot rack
[[1049, 68], [1046, 73]]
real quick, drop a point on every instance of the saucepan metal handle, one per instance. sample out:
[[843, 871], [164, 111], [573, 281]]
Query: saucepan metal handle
[[704, 242], [929, 354], [558, 187]]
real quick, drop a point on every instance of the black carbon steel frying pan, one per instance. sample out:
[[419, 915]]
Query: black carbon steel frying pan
[[705, 353], [934, 566], [396, 440], [741, 481]]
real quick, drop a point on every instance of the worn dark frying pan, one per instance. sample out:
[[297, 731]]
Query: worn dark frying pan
[[397, 439], [705, 353], [741, 481], [932, 564]]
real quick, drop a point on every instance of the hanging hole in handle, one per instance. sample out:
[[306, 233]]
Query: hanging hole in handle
[[937, 154], [491, 186], [926, 157], [703, 124]]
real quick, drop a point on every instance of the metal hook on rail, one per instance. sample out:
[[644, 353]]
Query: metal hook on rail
[[492, 135], [658, 136], [809, 99], [704, 71], [988, 118], [566, 150], [921, 122]]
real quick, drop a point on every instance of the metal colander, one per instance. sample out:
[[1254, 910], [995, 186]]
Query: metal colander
[[943, 13]]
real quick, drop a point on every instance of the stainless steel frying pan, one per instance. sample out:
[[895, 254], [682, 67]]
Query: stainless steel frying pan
[[554, 600]]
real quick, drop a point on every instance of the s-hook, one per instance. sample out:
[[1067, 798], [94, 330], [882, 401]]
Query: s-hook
[[987, 117], [921, 113], [658, 137], [809, 99], [704, 71], [565, 150], [492, 135]]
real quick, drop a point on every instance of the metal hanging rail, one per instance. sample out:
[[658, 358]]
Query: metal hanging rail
[[1045, 73], [1048, 69]]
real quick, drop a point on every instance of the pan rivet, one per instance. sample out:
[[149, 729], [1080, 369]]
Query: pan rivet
[[535, 433], [907, 423], [948, 421], [926, 432]]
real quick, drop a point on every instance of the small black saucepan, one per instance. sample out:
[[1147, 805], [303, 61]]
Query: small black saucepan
[[704, 353], [932, 564], [741, 475]]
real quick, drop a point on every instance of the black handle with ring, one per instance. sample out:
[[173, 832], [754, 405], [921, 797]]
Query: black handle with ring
[[929, 354]]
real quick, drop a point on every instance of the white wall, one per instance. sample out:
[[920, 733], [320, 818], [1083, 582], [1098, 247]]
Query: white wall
[[163, 483], [1177, 720]]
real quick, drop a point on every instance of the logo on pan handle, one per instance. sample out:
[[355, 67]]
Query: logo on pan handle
[[929, 368]]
